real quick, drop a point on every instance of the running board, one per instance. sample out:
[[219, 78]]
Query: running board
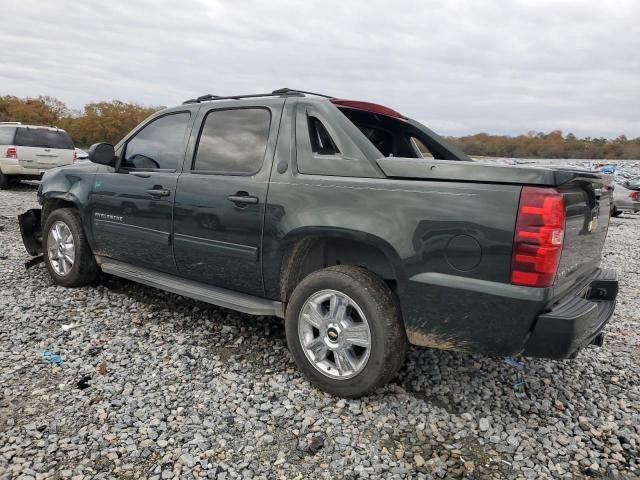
[[188, 288]]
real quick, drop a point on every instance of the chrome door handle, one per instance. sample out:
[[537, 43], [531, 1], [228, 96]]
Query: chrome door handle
[[243, 199], [158, 192]]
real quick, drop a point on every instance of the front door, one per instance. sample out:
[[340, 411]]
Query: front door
[[220, 200], [132, 205]]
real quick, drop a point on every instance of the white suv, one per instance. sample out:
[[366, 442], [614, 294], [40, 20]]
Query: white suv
[[26, 151]]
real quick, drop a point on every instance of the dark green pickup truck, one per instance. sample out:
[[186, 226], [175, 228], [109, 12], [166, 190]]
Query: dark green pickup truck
[[362, 228]]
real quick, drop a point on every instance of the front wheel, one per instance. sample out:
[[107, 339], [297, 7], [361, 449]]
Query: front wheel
[[66, 250], [344, 330]]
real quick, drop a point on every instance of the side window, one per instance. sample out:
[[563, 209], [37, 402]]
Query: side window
[[420, 148], [233, 141], [159, 145], [321, 141], [381, 139]]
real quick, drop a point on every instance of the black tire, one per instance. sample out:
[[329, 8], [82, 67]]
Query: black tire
[[379, 305], [84, 270], [4, 181], [616, 212]]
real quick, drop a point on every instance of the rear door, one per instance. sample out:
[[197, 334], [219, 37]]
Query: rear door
[[221, 196], [131, 206], [42, 148]]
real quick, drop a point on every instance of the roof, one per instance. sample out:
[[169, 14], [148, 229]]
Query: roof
[[29, 125], [289, 92]]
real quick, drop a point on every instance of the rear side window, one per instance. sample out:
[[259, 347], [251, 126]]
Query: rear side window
[[42, 137], [421, 148], [381, 139], [233, 141], [321, 141], [7, 135], [158, 146]]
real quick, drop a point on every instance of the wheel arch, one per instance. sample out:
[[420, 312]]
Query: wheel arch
[[54, 200], [309, 249]]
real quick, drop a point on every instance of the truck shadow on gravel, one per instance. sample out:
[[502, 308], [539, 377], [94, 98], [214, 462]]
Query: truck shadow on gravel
[[25, 186], [454, 382]]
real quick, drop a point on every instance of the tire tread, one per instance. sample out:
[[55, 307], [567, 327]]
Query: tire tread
[[386, 309], [87, 269]]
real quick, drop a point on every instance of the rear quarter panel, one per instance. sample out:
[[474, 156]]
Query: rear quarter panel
[[449, 244]]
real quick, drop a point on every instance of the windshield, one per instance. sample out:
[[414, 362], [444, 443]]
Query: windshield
[[43, 137], [634, 182]]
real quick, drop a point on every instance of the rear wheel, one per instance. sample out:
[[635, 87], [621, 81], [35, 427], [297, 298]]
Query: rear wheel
[[66, 250], [344, 330], [616, 212]]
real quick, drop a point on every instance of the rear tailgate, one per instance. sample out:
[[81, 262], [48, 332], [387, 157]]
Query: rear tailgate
[[42, 148], [587, 206]]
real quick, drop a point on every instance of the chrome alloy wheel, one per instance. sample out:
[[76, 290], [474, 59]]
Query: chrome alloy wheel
[[61, 248], [334, 334]]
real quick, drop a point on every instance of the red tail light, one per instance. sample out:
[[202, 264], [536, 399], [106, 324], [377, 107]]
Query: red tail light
[[634, 195], [12, 152], [537, 243]]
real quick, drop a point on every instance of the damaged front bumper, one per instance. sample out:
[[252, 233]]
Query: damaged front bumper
[[31, 231]]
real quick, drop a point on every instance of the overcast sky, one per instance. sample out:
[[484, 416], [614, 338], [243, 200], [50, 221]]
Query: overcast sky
[[458, 66]]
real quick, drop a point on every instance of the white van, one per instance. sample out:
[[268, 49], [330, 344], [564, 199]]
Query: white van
[[26, 151]]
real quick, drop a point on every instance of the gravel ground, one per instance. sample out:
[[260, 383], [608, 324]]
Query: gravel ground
[[153, 385]]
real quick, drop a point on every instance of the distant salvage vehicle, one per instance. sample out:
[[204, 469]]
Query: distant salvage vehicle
[[625, 199], [27, 151], [632, 183], [360, 227], [81, 154]]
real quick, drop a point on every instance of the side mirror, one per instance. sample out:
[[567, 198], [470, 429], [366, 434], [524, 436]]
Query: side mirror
[[103, 153]]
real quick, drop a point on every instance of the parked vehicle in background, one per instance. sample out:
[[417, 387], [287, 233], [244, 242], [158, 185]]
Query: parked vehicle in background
[[625, 198], [632, 183], [81, 154], [362, 228], [27, 151]]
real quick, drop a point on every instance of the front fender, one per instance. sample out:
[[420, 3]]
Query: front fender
[[72, 183], [69, 186]]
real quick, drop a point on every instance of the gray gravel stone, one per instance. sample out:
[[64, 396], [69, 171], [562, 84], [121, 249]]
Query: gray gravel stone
[[181, 397], [484, 424]]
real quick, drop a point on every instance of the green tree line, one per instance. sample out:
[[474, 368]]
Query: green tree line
[[97, 122], [549, 145], [110, 121]]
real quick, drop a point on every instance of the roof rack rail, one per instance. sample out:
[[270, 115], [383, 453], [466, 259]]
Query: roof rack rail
[[29, 125], [281, 92]]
